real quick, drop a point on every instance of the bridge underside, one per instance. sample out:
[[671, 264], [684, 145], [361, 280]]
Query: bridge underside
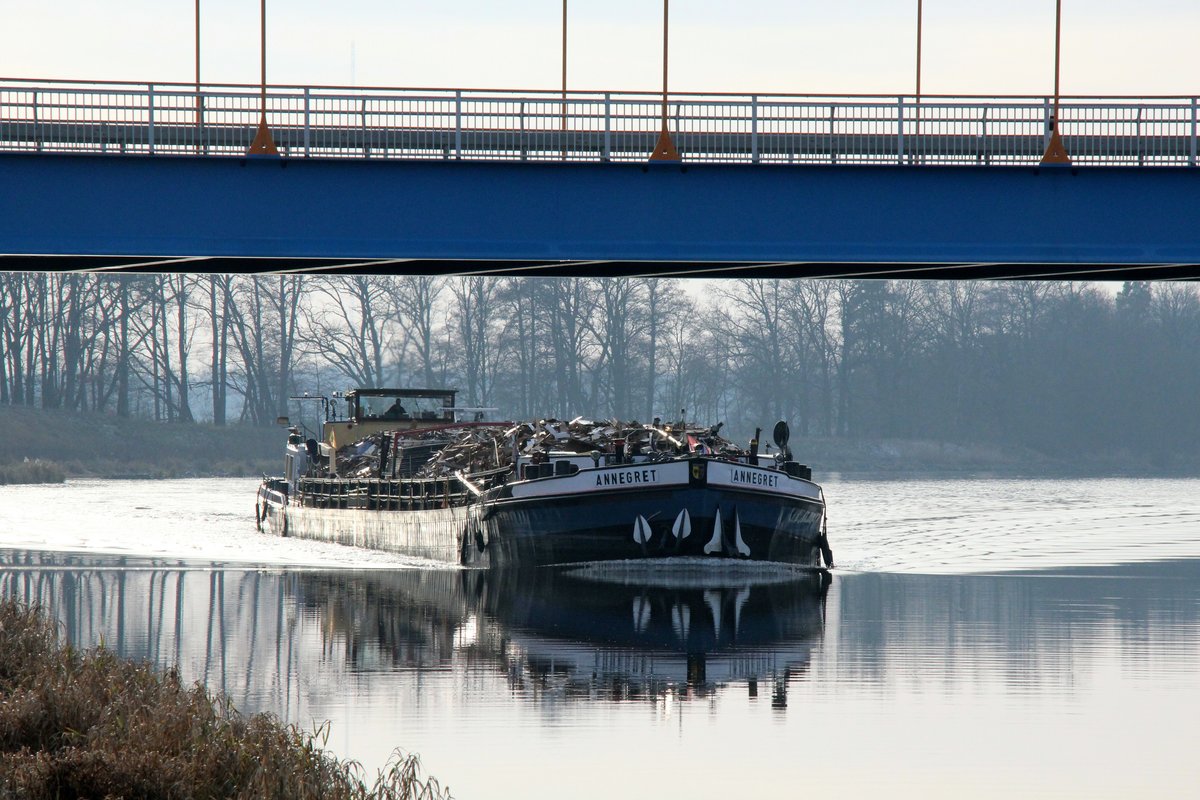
[[216, 214], [548, 269]]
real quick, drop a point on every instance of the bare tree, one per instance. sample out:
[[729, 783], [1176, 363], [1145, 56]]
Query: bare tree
[[262, 306], [220, 288], [619, 320], [568, 304], [349, 323], [415, 298], [518, 301], [475, 305]]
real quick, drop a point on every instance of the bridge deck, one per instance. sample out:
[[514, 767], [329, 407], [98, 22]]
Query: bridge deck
[[117, 118], [434, 181]]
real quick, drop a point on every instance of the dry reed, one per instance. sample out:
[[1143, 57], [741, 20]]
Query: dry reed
[[77, 724]]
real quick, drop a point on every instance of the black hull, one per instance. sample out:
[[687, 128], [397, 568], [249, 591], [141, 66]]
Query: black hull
[[600, 527]]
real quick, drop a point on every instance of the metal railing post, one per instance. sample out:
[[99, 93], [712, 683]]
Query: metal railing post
[[37, 123], [607, 154], [521, 147], [201, 144], [1047, 122], [1137, 143], [458, 124], [307, 123], [362, 111], [983, 157], [754, 128], [832, 130], [1192, 154], [900, 129], [150, 103]]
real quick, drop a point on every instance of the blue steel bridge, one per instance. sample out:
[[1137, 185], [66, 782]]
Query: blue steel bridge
[[156, 177]]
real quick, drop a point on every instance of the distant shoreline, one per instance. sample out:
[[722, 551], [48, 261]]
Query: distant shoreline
[[89, 445], [881, 459], [50, 446]]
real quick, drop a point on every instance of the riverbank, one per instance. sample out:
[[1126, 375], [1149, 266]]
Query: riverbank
[[35, 471], [910, 457], [102, 446], [48, 446], [89, 724]]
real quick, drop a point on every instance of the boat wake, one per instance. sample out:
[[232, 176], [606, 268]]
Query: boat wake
[[692, 572]]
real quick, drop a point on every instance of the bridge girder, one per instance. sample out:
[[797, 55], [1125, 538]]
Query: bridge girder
[[225, 214]]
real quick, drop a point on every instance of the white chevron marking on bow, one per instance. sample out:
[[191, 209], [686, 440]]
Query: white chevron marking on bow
[[683, 525], [641, 530], [742, 547], [714, 544]]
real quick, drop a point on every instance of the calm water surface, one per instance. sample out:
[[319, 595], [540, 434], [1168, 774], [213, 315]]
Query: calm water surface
[[981, 638]]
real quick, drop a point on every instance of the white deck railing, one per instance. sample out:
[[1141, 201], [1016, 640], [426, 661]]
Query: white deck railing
[[318, 121]]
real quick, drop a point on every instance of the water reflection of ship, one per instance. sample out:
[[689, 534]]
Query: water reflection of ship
[[272, 639], [579, 634]]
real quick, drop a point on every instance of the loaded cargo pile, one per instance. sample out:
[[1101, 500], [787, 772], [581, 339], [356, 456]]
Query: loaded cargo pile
[[477, 448]]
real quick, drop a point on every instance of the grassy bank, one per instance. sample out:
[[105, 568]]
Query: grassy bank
[[35, 471], [98, 445], [88, 724]]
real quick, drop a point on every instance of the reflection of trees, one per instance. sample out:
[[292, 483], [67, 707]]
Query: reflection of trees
[[1030, 632], [231, 629], [279, 640], [255, 635], [408, 618]]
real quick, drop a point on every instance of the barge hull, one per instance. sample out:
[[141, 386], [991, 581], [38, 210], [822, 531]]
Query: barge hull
[[572, 528], [605, 528], [435, 534]]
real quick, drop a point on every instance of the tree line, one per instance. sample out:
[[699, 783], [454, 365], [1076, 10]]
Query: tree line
[[1063, 368]]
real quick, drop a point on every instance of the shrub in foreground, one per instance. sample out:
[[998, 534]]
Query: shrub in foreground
[[88, 724]]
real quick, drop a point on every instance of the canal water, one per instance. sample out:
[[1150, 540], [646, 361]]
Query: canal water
[[980, 638]]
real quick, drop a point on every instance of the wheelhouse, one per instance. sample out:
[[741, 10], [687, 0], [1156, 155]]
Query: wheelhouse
[[370, 411]]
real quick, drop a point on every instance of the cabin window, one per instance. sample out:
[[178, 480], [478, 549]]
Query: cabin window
[[404, 406]]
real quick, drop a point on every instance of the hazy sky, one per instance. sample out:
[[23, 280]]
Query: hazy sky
[[971, 46]]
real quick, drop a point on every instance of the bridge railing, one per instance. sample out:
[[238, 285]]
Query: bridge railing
[[320, 121]]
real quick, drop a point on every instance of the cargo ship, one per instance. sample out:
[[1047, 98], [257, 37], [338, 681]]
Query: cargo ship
[[412, 478]]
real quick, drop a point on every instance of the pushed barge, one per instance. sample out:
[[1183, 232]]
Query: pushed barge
[[535, 494]]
